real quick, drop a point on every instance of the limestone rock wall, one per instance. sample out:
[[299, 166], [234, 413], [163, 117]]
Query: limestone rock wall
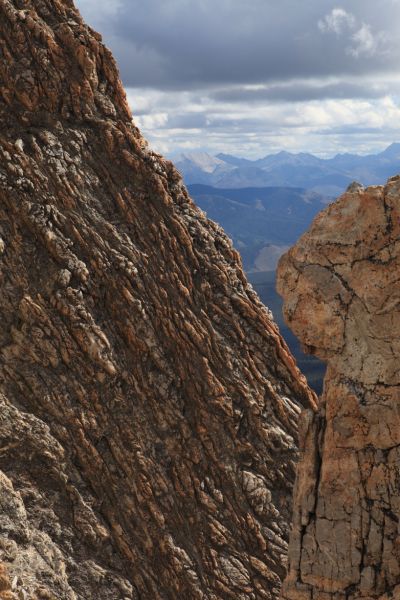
[[148, 405], [341, 287]]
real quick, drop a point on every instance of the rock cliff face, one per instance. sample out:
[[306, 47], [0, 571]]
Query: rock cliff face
[[342, 298], [149, 406]]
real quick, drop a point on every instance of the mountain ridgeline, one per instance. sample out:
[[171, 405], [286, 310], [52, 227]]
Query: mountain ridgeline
[[329, 177]]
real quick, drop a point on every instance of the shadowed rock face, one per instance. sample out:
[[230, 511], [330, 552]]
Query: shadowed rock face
[[148, 417], [341, 288]]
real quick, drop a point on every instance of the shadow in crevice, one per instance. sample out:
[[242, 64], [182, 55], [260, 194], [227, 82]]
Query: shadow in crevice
[[312, 367]]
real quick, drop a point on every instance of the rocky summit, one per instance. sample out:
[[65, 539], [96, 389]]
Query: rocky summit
[[341, 289], [149, 406]]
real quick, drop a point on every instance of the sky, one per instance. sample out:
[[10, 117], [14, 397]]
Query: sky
[[254, 77]]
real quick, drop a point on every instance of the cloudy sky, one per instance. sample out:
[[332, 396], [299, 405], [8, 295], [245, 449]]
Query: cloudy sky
[[251, 77]]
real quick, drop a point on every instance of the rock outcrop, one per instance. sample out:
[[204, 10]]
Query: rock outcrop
[[149, 406], [341, 288]]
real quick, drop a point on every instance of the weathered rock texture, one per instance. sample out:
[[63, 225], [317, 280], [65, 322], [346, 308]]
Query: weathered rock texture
[[149, 407], [341, 285]]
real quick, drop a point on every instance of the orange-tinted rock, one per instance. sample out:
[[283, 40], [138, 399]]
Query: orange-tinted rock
[[148, 405], [341, 288]]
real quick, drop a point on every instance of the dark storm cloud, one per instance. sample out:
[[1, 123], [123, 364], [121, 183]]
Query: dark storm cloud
[[187, 121], [300, 92], [184, 44], [257, 76]]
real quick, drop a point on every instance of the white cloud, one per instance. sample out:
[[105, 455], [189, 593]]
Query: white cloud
[[153, 121], [183, 121], [337, 21], [365, 42]]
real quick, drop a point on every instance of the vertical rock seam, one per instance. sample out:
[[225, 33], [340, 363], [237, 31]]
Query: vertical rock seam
[[341, 289], [148, 418]]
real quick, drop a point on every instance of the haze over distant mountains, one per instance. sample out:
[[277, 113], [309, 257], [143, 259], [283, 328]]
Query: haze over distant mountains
[[262, 222], [329, 177], [265, 205]]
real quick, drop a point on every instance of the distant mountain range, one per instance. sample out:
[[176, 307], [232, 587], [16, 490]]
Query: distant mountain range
[[265, 205], [262, 222], [326, 176]]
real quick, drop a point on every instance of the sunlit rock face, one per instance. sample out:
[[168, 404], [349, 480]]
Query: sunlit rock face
[[149, 406], [341, 288]]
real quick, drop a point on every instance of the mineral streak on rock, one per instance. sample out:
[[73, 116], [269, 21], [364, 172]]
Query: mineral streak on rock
[[148, 405], [341, 286]]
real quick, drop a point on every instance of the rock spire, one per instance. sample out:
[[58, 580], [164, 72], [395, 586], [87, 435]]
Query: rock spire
[[341, 289]]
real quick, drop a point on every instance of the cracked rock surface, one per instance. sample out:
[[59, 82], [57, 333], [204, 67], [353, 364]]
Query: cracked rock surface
[[341, 288], [148, 405]]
